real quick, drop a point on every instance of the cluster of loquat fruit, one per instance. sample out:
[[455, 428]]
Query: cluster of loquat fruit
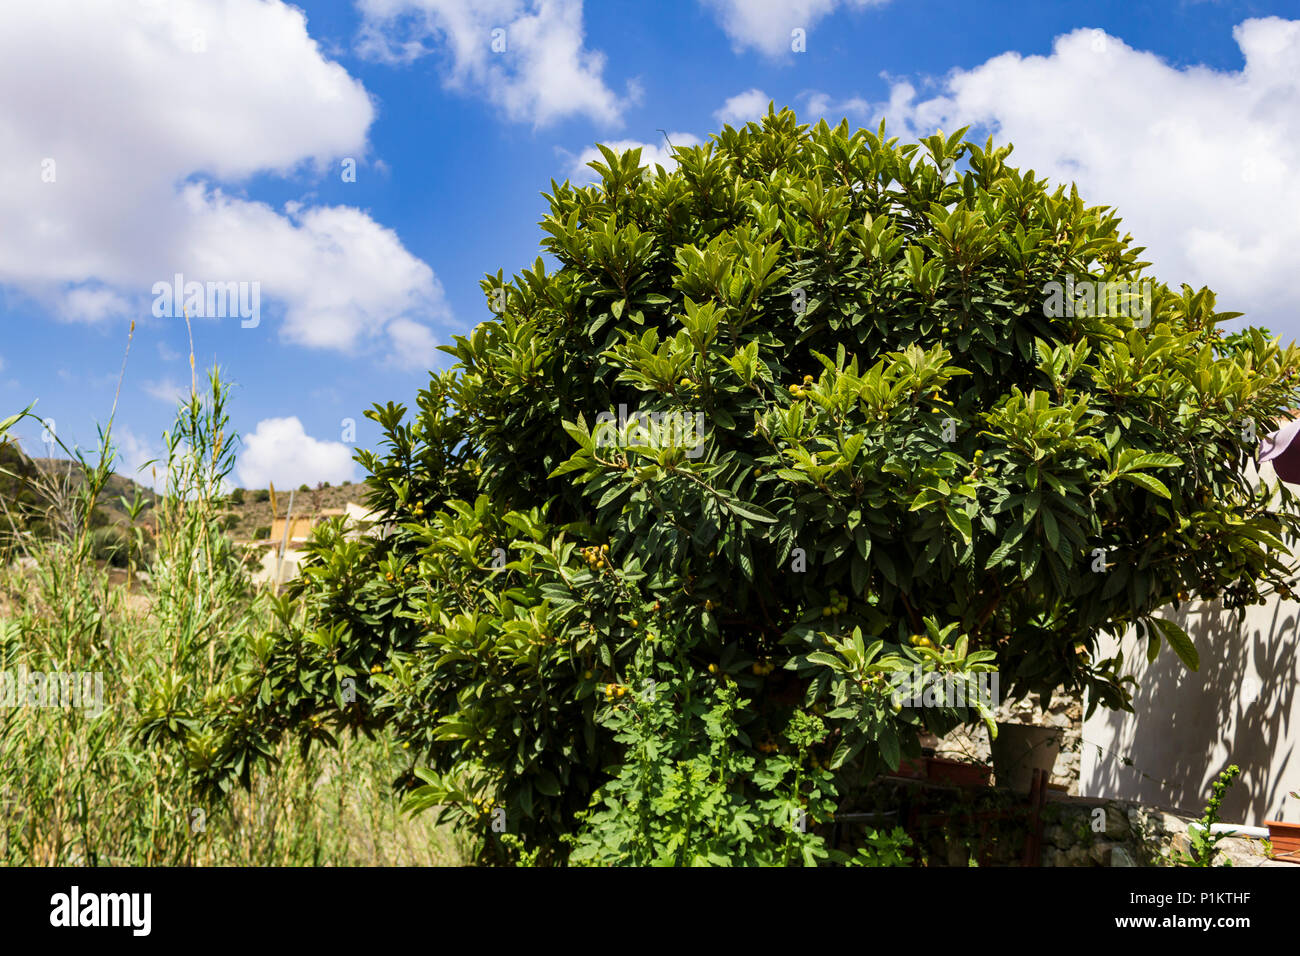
[[875, 679], [798, 390], [763, 668], [615, 690], [920, 640], [839, 604], [597, 558]]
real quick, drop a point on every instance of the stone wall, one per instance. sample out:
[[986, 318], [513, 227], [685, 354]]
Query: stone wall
[[952, 826], [1075, 833], [1066, 712]]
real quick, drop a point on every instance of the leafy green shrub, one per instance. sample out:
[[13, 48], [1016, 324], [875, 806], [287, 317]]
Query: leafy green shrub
[[237, 497], [910, 458], [688, 793], [261, 532], [1202, 842], [262, 495]]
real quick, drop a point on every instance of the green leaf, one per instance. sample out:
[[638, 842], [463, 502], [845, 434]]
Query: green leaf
[[889, 749], [8, 422], [750, 511], [961, 521], [612, 493], [548, 784], [886, 566], [1153, 460], [579, 433], [1050, 529], [1182, 644], [1146, 481], [826, 660]]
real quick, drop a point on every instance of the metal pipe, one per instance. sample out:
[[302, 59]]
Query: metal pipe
[[1233, 830]]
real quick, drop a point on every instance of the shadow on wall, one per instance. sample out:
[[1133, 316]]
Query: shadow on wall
[[1241, 707]]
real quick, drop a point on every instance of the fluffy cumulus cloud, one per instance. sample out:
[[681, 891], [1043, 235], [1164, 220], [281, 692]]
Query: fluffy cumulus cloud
[[279, 450], [529, 57], [124, 153], [818, 105], [345, 277], [167, 391], [414, 346], [743, 107], [652, 154], [1200, 163], [767, 25]]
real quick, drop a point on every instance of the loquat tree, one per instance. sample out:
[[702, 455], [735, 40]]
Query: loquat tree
[[920, 444]]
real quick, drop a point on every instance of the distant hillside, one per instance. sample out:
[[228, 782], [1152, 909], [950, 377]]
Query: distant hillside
[[255, 512], [118, 487], [28, 486], [249, 509]]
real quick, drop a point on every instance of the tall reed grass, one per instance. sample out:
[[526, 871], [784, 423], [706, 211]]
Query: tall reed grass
[[82, 784]]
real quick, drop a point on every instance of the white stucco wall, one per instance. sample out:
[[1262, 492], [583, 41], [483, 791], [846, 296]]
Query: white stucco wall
[[1242, 706]]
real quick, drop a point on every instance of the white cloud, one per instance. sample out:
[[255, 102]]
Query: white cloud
[[91, 304], [651, 154], [345, 276], [150, 114], [1200, 163], [414, 346], [766, 25], [167, 391], [526, 56], [743, 107], [280, 450], [820, 106]]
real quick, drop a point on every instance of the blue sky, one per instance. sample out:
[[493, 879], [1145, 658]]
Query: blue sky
[[210, 138]]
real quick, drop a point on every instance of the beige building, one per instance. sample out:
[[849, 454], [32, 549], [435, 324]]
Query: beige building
[[300, 530], [277, 568]]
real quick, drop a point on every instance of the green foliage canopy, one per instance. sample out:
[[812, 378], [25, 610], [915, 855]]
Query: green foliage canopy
[[908, 460]]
